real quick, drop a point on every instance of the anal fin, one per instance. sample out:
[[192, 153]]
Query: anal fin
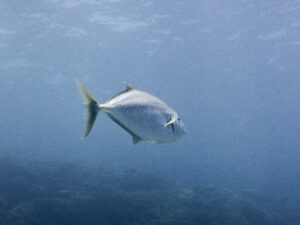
[[135, 139]]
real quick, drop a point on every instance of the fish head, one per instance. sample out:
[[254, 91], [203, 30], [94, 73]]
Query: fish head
[[175, 128], [179, 128]]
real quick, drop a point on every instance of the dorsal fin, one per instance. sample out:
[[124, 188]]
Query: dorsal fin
[[128, 87]]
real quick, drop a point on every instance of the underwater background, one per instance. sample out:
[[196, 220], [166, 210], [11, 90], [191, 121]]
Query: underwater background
[[231, 69]]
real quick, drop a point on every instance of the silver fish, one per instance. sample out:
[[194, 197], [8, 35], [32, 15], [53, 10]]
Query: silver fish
[[144, 116]]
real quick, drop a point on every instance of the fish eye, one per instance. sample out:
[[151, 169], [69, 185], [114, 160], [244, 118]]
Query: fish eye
[[178, 119]]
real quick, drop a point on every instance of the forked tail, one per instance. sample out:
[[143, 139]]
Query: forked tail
[[91, 105]]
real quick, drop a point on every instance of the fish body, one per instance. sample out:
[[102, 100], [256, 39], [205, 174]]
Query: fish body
[[144, 116]]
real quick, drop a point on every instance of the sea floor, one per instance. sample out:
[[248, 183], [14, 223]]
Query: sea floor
[[36, 193]]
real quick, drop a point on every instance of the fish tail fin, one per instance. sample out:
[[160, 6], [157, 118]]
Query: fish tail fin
[[92, 107]]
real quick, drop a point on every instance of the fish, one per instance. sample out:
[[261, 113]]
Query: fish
[[144, 116]]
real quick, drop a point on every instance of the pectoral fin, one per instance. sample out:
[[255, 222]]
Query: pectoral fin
[[171, 121]]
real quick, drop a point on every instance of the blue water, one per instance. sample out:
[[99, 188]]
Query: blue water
[[230, 69]]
